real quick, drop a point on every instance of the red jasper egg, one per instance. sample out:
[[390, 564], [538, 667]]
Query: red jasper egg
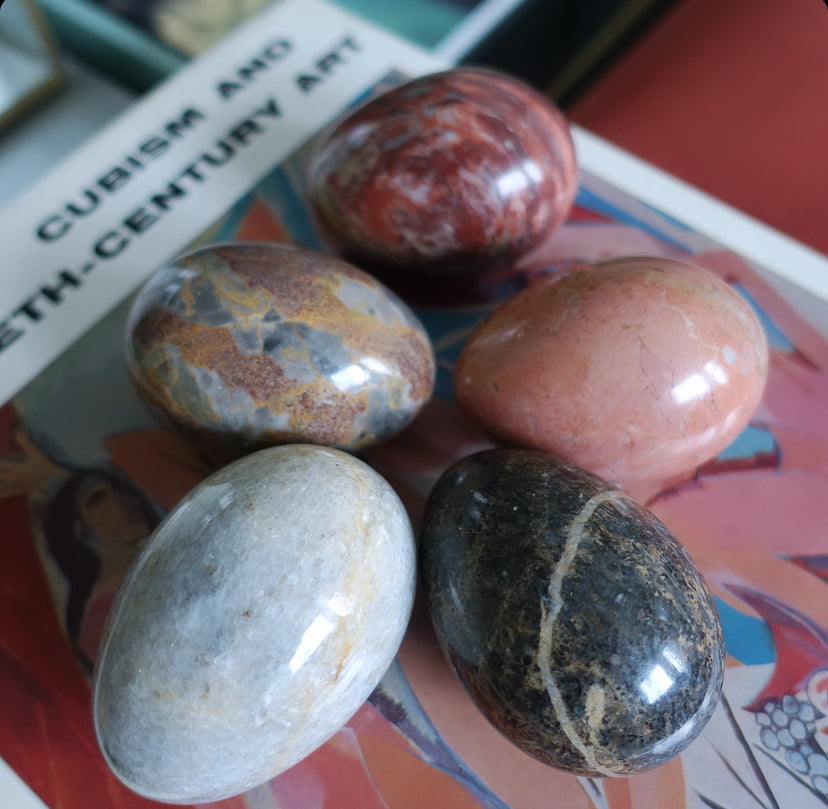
[[458, 170]]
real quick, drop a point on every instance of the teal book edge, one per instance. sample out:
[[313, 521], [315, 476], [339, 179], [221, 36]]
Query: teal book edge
[[138, 60], [109, 44]]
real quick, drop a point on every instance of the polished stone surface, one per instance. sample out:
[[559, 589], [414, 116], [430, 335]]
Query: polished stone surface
[[575, 620], [261, 615], [454, 171], [244, 345], [638, 369]]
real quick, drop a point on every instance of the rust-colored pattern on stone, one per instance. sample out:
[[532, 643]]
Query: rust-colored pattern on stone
[[576, 621], [637, 369], [239, 346], [454, 171]]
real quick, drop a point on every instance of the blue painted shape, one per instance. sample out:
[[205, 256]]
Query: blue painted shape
[[753, 440], [747, 639], [232, 221], [441, 324], [588, 199], [278, 190], [776, 337]]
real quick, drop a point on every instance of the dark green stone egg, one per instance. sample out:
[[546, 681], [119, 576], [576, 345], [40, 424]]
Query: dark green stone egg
[[575, 620]]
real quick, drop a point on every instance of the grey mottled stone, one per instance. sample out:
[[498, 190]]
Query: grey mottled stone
[[576, 621], [260, 616]]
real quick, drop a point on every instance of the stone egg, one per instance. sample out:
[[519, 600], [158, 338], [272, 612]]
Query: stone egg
[[245, 345], [452, 171], [574, 619], [637, 369], [260, 616]]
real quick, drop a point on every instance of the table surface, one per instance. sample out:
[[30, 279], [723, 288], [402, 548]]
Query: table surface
[[729, 97]]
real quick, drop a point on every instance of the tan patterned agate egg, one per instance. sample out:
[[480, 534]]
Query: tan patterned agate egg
[[245, 345]]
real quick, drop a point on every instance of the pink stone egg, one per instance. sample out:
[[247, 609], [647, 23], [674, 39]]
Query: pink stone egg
[[637, 369], [452, 171]]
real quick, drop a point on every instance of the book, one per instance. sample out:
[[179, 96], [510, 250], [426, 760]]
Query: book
[[80, 242]]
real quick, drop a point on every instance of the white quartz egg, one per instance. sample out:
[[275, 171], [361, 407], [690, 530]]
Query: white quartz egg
[[262, 613]]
